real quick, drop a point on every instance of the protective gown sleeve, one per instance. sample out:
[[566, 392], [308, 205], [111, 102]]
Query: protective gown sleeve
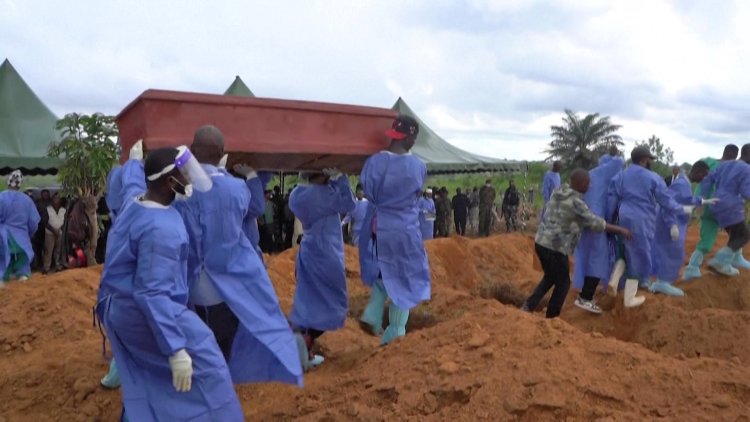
[[133, 180], [257, 200], [745, 182], [664, 199], [705, 185], [34, 218], [156, 272], [547, 187], [343, 198], [614, 194]]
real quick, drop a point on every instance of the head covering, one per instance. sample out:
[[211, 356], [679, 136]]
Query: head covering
[[159, 163], [403, 127], [428, 191], [15, 179], [641, 152]]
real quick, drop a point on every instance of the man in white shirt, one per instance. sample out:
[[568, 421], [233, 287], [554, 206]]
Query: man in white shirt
[[55, 216]]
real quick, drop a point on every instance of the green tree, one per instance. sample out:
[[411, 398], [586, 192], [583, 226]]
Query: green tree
[[580, 142], [663, 154], [88, 152]]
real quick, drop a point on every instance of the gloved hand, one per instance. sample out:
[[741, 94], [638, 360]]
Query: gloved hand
[[182, 371], [223, 161], [246, 171], [674, 232], [136, 151], [332, 173], [710, 201], [688, 209]]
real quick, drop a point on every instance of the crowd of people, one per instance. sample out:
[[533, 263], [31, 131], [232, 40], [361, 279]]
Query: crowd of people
[[189, 309]]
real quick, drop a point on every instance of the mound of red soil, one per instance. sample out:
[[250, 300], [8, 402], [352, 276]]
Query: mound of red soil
[[467, 357]]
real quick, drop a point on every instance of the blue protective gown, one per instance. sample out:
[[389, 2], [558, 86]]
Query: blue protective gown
[[356, 216], [550, 183], [143, 305], [732, 186], [393, 184], [669, 255], [18, 218], [124, 183], [257, 188], [427, 227], [633, 196], [320, 299], [592, 256], [264, 347], [113, 198]]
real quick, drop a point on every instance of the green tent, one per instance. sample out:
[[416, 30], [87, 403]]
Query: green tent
[[27, 127], [442, 157], [239, 88]]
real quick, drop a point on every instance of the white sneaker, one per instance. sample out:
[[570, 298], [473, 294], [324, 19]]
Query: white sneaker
[[588, 305], [23, 278]]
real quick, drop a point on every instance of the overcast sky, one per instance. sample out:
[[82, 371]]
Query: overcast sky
[[489, 76]]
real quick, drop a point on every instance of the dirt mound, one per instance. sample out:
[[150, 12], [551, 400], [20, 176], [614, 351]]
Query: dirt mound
[[468, 356]]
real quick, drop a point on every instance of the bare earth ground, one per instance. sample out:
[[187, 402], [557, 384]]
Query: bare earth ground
[[467, 356]]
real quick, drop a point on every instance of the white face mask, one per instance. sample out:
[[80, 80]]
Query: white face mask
[[184, 197]]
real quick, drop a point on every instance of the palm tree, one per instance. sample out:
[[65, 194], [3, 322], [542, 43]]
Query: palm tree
[[580, 142]]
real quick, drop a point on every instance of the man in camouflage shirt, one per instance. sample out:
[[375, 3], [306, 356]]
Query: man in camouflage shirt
[[559, 231], [487, 196]]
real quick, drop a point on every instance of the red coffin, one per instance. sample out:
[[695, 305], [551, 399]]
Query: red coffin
[[268, 134]]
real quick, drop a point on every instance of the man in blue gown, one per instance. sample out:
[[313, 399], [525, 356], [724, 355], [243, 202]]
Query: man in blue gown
[[633, 197], [551, 182], [732, 188], [427, 214], [172, 367], [229, 286], [357, 215], [592, 256], [392, 257], [320, 298], [19, 220], [671, 229]]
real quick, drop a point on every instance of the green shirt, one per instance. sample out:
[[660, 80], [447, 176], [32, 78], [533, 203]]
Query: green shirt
[[712, 164]]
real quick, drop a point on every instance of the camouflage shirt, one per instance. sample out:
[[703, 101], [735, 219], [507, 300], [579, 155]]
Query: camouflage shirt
[[565, 217]]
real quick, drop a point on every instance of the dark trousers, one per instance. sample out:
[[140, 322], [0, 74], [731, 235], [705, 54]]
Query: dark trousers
[[739, 235], [589, 287], [556, 274], [223, 322], [460, 222], [485, 221]]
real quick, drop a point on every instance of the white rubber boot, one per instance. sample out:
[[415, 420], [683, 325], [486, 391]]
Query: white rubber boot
[[614, 279], [631, 300]]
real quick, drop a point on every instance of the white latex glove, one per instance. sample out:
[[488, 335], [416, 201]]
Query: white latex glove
[[674, 232], [223, 161], [710, 201], [332, 173], [182, 371], [688, 209], [136, 152], [245, 170]]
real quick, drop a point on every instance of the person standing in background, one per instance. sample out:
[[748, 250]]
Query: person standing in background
[[443, 211], [19, 220], [474, 210], [460, 205], [427, 215], [54, 221], [551, 182], [487, 197]]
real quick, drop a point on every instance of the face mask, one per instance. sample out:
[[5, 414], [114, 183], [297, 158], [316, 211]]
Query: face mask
[[182, 192]]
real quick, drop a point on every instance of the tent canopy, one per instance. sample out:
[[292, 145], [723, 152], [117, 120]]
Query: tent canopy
[[27, 127], [442, 157], [239, 88]]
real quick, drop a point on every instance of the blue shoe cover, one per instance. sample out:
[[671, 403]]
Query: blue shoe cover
[[396, 324], [739, 261], [373, 314], [693, 269], [665, 288], [316, 360], [722, 263], [112, 379]]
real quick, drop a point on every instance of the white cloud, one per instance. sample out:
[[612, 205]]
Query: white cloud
[[490, 76]]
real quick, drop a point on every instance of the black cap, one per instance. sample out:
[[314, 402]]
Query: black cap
[[403, 127], [641, 152], [159, 163]]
